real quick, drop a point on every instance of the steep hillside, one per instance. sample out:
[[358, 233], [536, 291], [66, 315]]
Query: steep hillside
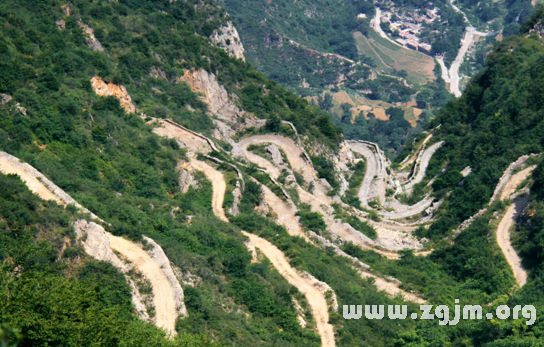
[[167, 193], [121, 105]]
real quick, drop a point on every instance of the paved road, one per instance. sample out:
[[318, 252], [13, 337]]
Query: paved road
[[454, 69]]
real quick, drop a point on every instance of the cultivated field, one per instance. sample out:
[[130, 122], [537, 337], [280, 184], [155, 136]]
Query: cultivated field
[[378, 107], [389, 56]]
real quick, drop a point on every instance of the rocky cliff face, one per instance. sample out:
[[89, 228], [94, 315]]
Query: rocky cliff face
[[91, 39], [215, 96], [103, 88], [227, 38]]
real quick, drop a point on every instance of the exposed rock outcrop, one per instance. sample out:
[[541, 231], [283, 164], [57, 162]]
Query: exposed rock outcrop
[[215, 96], [274, 151], [237, 193], [91, 39], [157, 73], [96, 243], [186, 178], [103, 88], [228, 39]]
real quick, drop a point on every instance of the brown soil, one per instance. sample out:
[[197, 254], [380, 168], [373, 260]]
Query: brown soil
[[503, 239], [315, 298], [163, 295], [31, 181], [219, 186], [192, 141]]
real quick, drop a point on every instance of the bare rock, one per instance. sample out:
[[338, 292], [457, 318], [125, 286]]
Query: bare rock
[[237, 193], [228, 39], [186, 178], [263, 208], [157, 73], [274, 151], [61, 24], [91, 40], [103, 88], [215, 96], [5, 98]]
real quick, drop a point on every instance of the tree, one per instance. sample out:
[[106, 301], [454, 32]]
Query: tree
[[325, 102], [346, 113]]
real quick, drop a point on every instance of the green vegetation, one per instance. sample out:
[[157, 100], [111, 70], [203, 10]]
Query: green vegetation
[[498, 119], [61, 298], [363, 227]]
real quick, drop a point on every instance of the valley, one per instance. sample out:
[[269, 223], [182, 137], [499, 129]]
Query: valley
[[159, 186]]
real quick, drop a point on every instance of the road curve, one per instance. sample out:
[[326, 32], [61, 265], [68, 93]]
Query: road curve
[[503, 239], [219, 186], [508, 220], [163, 294], [293, 152], [371, 170], [422, 165], [316, 299]]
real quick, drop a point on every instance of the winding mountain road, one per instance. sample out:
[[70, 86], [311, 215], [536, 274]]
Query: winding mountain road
[[163, 294], [219, 186], [315, 298], [508, 220], [503, 239]]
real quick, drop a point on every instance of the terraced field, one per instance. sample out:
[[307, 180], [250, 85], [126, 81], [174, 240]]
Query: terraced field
[[389, 56]]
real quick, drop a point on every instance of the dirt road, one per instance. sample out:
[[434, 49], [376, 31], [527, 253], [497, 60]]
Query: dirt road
[[423, 164], [192, 141], [513, 182], [503, 239], [391, 288], [414, 156], [371, 170], [164, 300], [12, 165], [316, 299], [163, 295], [508, 220], [218, 184], [293, 152]]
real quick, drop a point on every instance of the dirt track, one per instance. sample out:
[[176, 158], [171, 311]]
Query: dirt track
[[218, 184], [165, 304], [192, 141], [513, 182], [423, 164], [508, 220], [371, 170], [316, 299], [31, 181], [391, 288], [414, 156], [503, 239], [292, 150], [163, 295]]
